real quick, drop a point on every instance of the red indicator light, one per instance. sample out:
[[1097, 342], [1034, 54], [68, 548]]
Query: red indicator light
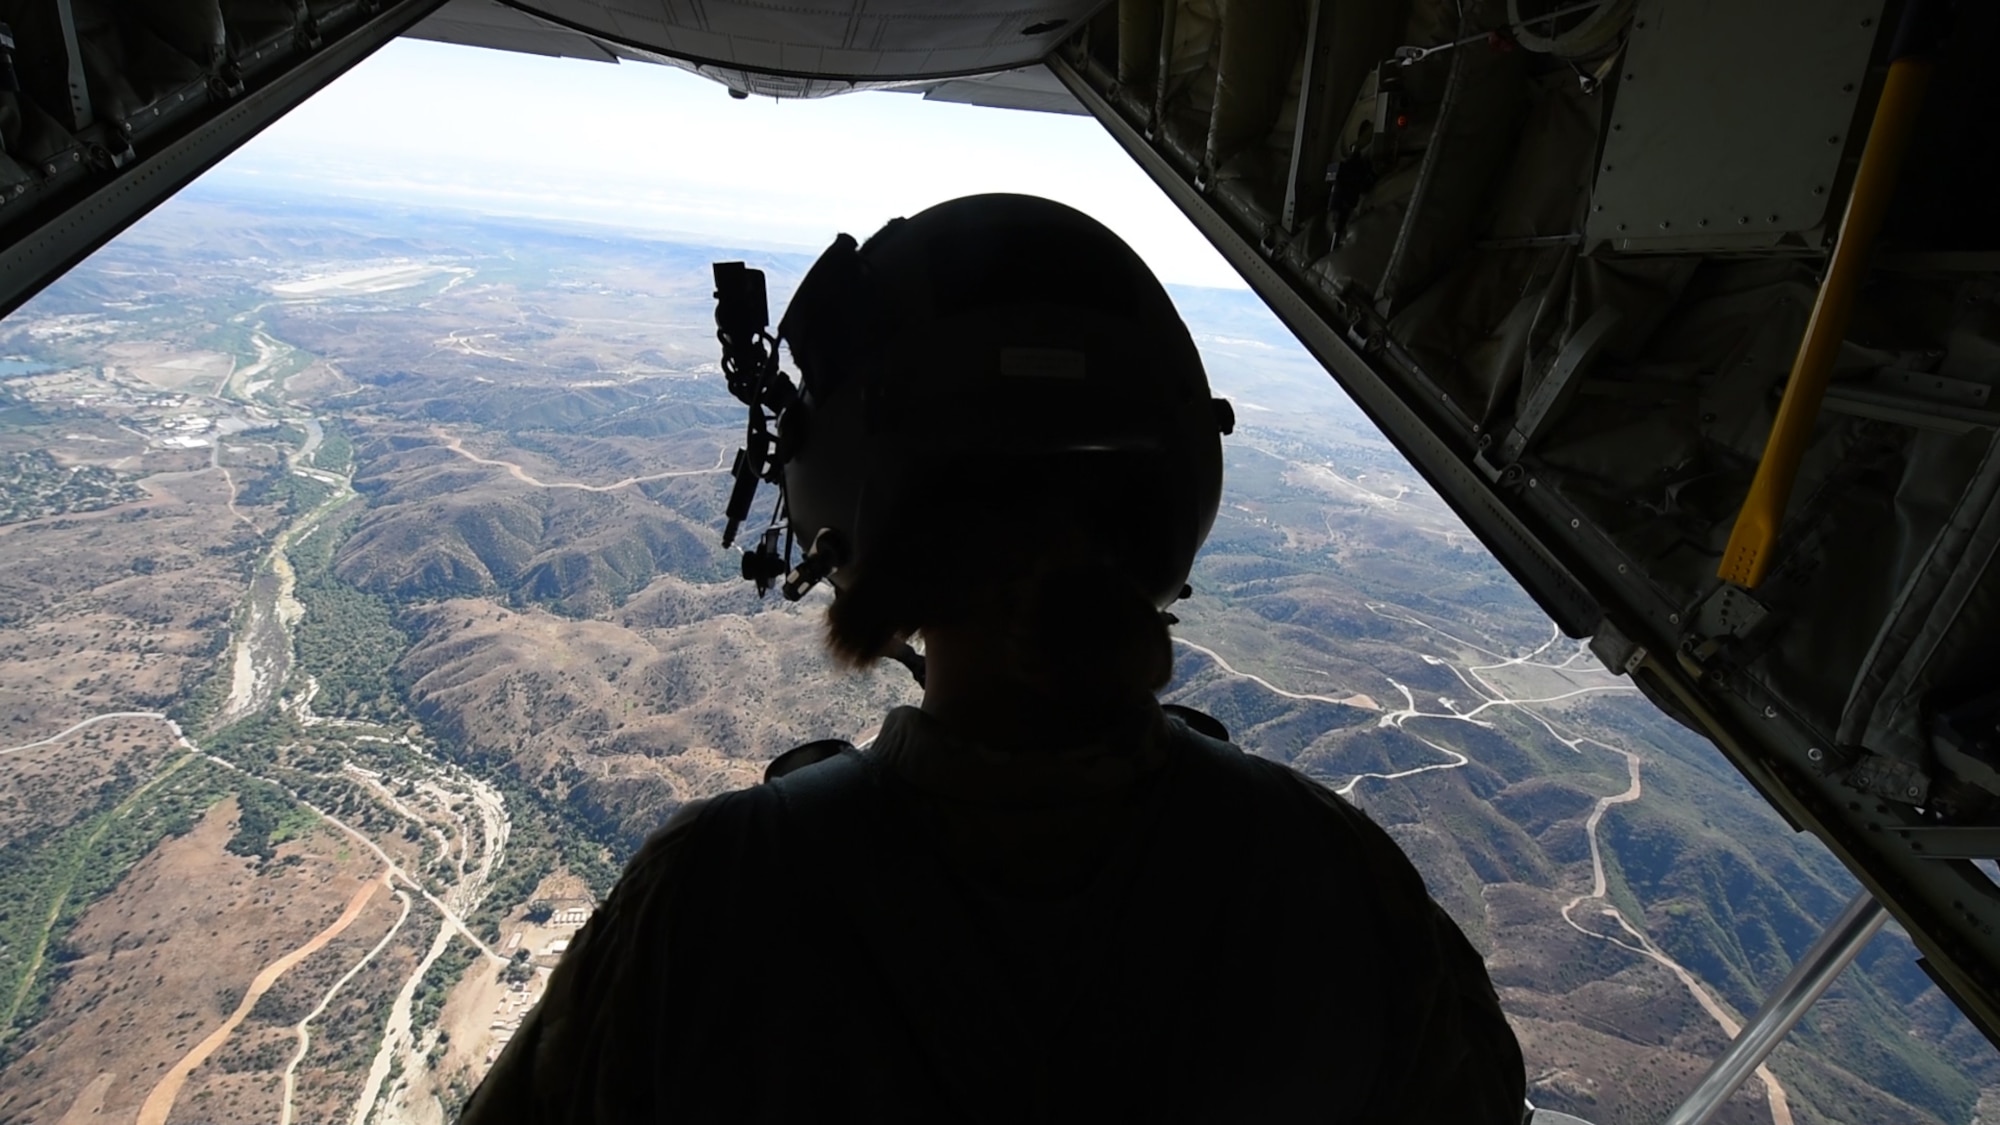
[[1402, 121]]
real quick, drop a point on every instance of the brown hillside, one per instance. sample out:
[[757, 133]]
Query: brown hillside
[[162, 960], [122, 609], [439, 525], [627, 719]]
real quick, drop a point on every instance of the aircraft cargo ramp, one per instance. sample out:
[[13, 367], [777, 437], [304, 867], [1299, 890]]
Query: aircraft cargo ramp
[[1690, 310]]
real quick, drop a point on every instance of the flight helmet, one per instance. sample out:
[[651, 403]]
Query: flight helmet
[[995, 353]]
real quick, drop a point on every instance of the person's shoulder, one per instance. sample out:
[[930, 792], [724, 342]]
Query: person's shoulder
[[1206, 742], [746, 830], [1273, 797], [657, 863], [680, 849]]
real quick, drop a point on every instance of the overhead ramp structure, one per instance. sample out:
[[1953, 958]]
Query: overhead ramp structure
[[1690, 309], [107, 109]]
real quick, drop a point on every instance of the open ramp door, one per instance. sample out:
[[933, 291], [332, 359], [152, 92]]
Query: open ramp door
[[1613, 275]]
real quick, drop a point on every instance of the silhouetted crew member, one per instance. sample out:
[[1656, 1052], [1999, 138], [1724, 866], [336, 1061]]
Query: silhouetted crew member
[[1040, 896]]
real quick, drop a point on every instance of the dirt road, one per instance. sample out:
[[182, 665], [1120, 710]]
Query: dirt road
[[160, 1102], [1492, 696], [90, 722], [457, 446], [302, 1030], [1356, 700]]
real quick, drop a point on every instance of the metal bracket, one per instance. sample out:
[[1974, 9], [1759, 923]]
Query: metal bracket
[[1164, 74], [1917, 399], [1614, 649], [1311, 147], [1930, 385], [1521, 552], [1553, 393], [1890, 778], [79, 86], [1729, 612], [1342, 43]]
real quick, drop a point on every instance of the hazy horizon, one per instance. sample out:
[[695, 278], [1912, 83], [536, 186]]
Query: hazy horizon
[[651, 148]]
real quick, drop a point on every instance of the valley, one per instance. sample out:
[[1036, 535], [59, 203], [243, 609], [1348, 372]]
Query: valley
[[364, 608]]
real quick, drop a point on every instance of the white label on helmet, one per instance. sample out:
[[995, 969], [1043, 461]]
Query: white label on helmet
[[1041, 363]]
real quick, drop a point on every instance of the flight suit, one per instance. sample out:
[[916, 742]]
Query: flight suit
[[1161, 930]]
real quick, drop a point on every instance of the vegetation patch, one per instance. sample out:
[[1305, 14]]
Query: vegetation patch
[[293, 493], [336, 451], [33, 484], [49, 878], [542, 834], [348, 642], [267, 817], [196, 708], [438, 982]]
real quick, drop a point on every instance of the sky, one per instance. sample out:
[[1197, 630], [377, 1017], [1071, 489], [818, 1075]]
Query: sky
[[659, 149]]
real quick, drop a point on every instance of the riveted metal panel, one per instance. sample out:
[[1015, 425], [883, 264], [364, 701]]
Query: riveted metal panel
[[1710, 145]]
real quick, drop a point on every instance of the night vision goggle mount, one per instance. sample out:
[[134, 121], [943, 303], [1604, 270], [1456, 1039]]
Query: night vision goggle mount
[[750, 364]]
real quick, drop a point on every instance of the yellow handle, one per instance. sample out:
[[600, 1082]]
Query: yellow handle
[[1748, 556]]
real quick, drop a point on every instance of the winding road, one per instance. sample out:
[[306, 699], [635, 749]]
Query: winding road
[[453, 921], [160, 1102], [457, 445], [1360, 701], [1491, 695], [85, 724], [260, 669], [1774, 1092], [1457, 760], [290, 1079]]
